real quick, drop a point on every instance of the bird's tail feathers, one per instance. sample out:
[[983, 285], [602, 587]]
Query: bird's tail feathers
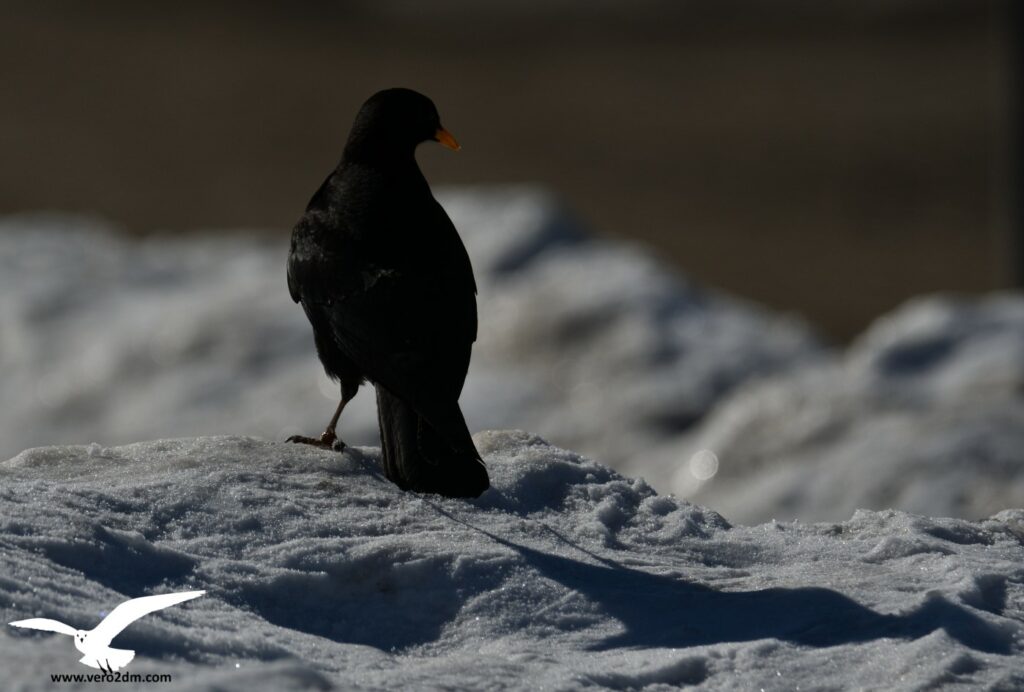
[[435, 456]]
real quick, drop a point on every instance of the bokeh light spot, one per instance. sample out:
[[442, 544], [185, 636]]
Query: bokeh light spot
[[704, 465]]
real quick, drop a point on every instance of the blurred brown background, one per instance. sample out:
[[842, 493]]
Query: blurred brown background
[[828, 158]]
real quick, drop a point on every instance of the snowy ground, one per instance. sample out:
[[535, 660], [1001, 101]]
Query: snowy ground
[[564, 575], [592, 343]]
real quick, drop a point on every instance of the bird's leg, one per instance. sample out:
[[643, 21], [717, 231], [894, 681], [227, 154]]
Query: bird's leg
[[329, 438]]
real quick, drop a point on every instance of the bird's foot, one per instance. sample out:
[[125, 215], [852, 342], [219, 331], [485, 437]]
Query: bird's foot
[[332, 441], [328, 440]]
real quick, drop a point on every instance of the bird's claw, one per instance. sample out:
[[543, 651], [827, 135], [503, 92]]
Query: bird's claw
[[312, 441], [328, 440]]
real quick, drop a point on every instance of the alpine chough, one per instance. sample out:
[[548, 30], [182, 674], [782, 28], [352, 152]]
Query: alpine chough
[[386, 282]]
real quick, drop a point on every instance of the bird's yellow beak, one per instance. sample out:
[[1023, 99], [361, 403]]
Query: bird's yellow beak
[[445, 138]]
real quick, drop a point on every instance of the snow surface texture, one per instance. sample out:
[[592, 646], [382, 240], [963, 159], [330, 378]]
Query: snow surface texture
[[592, 343], [564, 575]]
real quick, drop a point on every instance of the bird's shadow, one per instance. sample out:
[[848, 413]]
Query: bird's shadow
[[663, 611], [653, 610]]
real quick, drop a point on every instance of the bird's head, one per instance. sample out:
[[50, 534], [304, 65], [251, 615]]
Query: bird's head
[[80, 636], [393, 122]]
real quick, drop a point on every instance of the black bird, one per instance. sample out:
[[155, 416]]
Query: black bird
[[387, 285]]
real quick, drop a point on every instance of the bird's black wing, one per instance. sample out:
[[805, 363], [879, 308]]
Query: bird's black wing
[[404, 314]]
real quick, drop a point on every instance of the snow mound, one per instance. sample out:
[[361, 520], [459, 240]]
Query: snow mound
[[925, 412], [592, 343], [565, 574]]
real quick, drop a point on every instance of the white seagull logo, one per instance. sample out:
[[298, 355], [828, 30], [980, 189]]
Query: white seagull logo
[[95, 643]]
